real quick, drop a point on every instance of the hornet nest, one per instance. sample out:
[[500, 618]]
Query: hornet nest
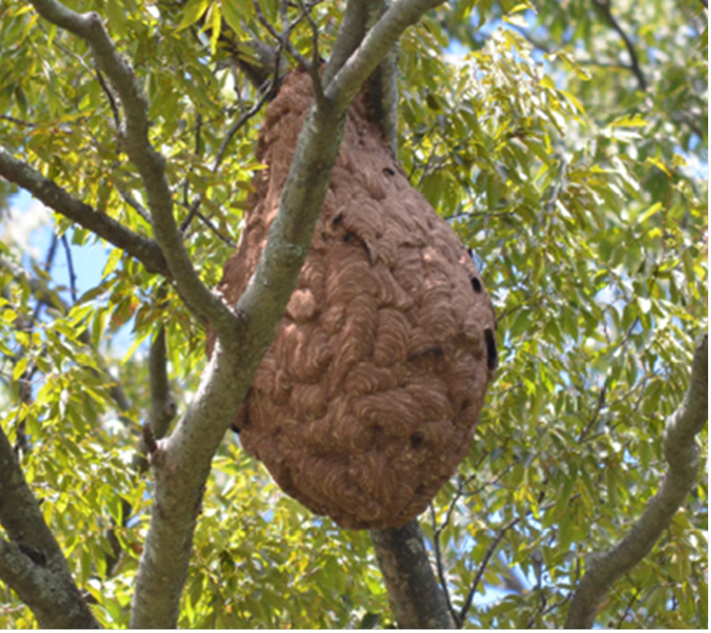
[[367, 400]]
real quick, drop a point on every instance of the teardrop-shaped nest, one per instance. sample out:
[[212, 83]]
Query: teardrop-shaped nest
[[367, 400]]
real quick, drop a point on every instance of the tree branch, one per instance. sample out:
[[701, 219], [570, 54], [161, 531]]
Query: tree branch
[[440, 566], [374, 47], [415, 597], [32, 562], [682, 456], [605, 7], [44, 189], [149, 162], [163, 407], [350, 35]]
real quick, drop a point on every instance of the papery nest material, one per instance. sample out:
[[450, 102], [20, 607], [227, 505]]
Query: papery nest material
[[367, 400]]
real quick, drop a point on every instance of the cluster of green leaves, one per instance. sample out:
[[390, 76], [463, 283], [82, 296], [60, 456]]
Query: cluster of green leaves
[[574, 193], [572, 188]]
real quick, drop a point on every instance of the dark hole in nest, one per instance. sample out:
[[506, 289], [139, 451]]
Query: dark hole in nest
[[388, 171], [347, 236], [338, 219], [420, 490], [492, 356], [416, 440], [476, 284], [465, 405]]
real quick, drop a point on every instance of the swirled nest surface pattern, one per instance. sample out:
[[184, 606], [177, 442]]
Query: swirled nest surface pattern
[[367, 400]]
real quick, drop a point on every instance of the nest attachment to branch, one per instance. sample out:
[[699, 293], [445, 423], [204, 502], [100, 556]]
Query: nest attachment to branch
[[367, 400]]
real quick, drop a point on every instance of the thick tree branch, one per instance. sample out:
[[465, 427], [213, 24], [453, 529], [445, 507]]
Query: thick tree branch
[[44, 189], [32, 562], [606, 9], [350, 35], [415, 597], [682, 456], [149, 162], [359, 17], [375, 46]]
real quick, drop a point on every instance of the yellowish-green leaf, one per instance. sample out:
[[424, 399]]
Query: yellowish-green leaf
[[659, 164], [114, 259], [117, 18], [637, 120], [192, 12], [650, 212]]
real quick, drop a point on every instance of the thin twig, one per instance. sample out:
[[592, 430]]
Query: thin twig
[[208, 223], [596, 414], [289, 48], [315, 55], [482, 567], [15, 120], [70, 267], [193, 210], [440, 567], [113, 105], [606, 7], [134, 204]]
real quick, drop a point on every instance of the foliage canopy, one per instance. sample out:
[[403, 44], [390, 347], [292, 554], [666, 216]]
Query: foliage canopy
[[565, 141]]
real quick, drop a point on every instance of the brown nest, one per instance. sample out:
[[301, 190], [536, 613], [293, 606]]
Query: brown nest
[[367, 400]]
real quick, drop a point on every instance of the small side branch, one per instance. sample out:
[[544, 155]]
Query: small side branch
[[605, 7], [374, 47], [70, 268], [436, 531], [682, 456], [151, 165], [44, 189], [163, 407]]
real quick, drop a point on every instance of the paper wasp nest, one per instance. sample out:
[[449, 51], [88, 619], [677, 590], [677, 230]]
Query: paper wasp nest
[[367, 400]]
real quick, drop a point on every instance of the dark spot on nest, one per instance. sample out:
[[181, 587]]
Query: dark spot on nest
[[465, 405], [435, 351], [420, 490], [492, 356], [476, 284], [245, 419], [338, 219], [416, 440], [236, 429], [470, 252], [388, 171], [347, 236]]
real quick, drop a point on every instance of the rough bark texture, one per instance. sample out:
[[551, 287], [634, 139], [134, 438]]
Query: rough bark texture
[[367, 400], [31, 561], [416, 598]]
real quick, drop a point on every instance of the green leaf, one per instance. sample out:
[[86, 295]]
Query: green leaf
[[192, 12]]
